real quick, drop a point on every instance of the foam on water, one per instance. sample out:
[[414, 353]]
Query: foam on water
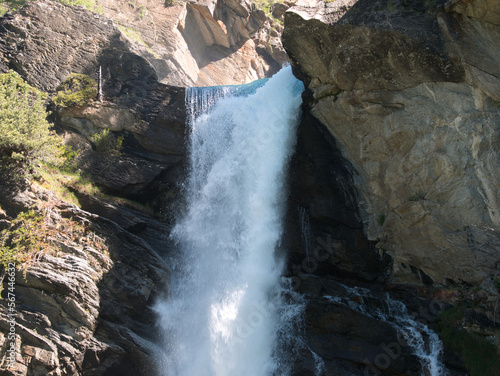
[[226, 314]]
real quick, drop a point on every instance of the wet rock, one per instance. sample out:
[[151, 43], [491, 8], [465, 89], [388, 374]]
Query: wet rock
[[325, 232]]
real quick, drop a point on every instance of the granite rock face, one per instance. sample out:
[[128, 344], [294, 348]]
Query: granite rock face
[[408, 91]]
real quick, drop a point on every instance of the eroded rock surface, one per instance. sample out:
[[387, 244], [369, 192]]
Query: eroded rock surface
[[83, 303], [408, 91], [46, 41], [200, 43]]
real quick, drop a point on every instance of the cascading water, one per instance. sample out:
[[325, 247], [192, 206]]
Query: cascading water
[[425, 343], [226, 314]]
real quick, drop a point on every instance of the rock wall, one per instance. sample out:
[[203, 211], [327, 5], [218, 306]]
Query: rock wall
[[83, 303], [46, 41], [200, 43], [409, 91]]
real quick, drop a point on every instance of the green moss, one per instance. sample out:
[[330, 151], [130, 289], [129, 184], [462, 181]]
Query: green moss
[[479, 354], [143, 12], [452, 316], [10, 5], [76, 90], [89, 4], [381, 219]]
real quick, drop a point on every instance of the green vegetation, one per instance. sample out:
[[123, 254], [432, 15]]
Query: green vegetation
[[76, 90], [89, 4], [479, 354], [266, 6], [135, 37], [381, 219], [24, 238], [143, 12], [36, 231], [106, 142], [10, 5], [26, 138]]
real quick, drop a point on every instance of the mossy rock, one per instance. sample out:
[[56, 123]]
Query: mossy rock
[[76, 90]]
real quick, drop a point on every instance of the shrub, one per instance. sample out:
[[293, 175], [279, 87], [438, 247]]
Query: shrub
[[39, 231], [76, 90], [25, 134], [106, 142], [25, 237]]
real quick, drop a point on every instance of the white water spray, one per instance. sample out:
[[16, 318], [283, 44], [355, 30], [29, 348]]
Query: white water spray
[[225, 310]]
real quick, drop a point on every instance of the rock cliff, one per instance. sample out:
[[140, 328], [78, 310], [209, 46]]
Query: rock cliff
[[394, 179], [201, 43], [82, 302], [409, 90], [395, 176], [46, 41]]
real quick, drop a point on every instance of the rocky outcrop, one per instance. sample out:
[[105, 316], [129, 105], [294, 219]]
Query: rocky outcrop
[[408, 91], [149, 115], [200, 43], [485, 10], [82, 304]]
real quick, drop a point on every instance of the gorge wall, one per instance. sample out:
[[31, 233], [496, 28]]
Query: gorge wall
[[201, 43], [409, 90], [83, 306], [395, 172]]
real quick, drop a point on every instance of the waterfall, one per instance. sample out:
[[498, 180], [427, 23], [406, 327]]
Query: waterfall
[[228, 312], [424, 342]]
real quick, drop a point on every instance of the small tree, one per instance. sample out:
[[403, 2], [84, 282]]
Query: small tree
[[76, 90], [25, 134]]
